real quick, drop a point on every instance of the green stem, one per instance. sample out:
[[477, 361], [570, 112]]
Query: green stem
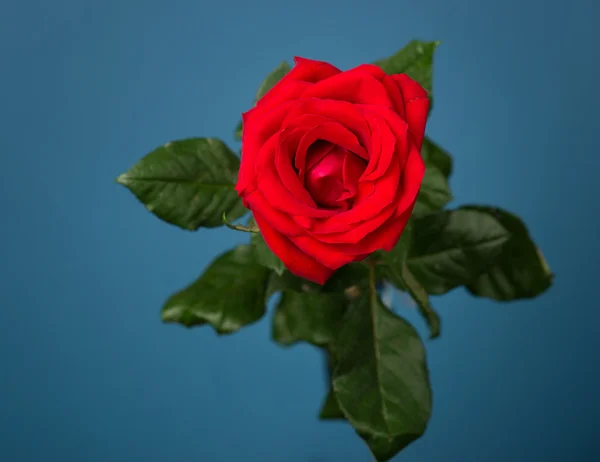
[[372, 283], [245, 229], [421, 298]]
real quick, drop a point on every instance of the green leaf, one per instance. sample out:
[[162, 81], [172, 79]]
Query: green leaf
[[229, 295], [265, 256], [275, 76], [435, 156], [520, 271], [435, 191], [348, 277], [385, 448], [421, 298], [393, 261], [381, 380], [237, 133], [415, 60], [307, 316], [434, 194], [330, 410], [395, 270], [188, 183], [291, 282], [453, 247]]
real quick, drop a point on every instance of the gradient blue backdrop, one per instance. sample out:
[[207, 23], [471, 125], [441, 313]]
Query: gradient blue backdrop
[[87, 371]]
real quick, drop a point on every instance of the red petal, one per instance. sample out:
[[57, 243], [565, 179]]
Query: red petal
[[289, 177], [417, 106], [383, 194], [385, 237], [312, 71], [292, 257], [412, 177], [341, 112], [270, 183], [325, 254], [282, 222], [354, 86], [384, 146], [390, 86], [259, 126]]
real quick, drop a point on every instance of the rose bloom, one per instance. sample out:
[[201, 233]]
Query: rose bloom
[[331, 164]]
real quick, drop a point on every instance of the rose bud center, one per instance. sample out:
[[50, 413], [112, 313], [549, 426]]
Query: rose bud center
[[332, 175]]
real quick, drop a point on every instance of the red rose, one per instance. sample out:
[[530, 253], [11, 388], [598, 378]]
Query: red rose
[[331, 164]]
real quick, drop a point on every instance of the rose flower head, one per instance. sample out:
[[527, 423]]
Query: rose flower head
[[331, 164]]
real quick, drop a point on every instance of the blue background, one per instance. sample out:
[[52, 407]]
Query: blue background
[[87, 370]]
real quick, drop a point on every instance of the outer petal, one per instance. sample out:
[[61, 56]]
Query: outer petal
[[357, 231], [354, 86], [278, 220], [292, 257], [417, 106], [385, 237], [390, 85], [303, 75], [283, 91], [309, 70], [325, 254], [412, 177], [261, 124], [410, 88]]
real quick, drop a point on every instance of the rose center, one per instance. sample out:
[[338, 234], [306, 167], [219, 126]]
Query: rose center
[[332, 174]]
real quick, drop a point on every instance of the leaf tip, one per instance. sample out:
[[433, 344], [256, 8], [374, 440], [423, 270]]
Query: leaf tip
[[170, 313], [283, 342], [544, 263], [123, 179], [221, 332]]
